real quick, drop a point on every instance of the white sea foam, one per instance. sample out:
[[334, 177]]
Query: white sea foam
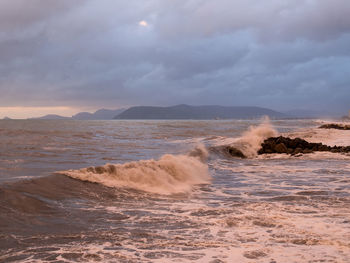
[[330, 137], [221, 140], [251, 140], [168, 175]]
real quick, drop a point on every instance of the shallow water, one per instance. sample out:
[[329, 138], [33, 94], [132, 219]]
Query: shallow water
[[191, 206]]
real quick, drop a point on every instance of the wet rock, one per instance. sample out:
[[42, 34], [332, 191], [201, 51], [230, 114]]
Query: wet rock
[[290, 151], [335, 126], [235, 152], [316, 146], [281, 148], [298, 150], [323, 148], [308, 151], [297, 146]]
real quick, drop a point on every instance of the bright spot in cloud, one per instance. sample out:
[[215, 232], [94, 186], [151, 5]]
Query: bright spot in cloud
[[143, 23]]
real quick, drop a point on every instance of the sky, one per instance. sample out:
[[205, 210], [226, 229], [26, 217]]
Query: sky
[[67, 56]]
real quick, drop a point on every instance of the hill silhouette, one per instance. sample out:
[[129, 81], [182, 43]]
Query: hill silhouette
[[183, 111]]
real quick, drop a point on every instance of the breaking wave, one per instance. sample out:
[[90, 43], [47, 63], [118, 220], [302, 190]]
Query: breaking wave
[[169, 175], [250, 141]]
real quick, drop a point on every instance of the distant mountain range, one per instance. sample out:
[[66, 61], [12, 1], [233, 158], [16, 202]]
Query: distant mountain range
[[197, 113], [101, 114], [52, 117], [188, 112]]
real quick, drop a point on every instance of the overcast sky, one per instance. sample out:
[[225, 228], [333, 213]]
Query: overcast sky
[[65, 56]]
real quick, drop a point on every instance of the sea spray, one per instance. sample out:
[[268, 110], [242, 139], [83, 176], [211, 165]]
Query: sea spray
[[200, 152], [251, 140], [169, 175]]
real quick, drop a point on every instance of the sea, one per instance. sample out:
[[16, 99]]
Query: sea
[[167, 191]]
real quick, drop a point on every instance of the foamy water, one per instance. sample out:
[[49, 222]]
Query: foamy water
[[168, 175], [154, 191]]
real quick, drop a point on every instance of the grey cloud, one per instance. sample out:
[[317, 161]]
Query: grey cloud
[[275, 19], [280, 54]]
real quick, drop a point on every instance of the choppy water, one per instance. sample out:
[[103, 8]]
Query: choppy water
[[188, 202]]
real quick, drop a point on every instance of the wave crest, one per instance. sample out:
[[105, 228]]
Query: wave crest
[[251, 140], [169, 175]]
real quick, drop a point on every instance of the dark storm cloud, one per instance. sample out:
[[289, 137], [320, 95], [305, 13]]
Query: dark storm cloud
[[313, 19], [280, 54]]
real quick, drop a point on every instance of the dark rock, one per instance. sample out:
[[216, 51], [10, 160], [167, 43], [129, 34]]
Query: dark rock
[[281, 148], [335, 126], [296, 146], [235, 152], [323, 148], [293, 144], [290, 151], [298, 150]]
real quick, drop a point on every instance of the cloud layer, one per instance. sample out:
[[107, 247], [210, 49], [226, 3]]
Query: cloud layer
[[107, 53]]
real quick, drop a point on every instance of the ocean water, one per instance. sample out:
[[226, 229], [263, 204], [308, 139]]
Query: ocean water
[[165, 191]]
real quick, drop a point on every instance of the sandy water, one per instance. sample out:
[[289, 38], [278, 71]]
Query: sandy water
[[187, 202]]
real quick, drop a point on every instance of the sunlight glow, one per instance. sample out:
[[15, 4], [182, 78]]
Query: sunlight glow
[[143, 23]]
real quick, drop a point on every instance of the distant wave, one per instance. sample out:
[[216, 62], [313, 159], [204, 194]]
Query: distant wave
[[169, 175]]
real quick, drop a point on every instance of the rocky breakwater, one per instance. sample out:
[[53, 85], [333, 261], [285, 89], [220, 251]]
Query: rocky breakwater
[[335, 126], [297, 146], [288, 145]]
